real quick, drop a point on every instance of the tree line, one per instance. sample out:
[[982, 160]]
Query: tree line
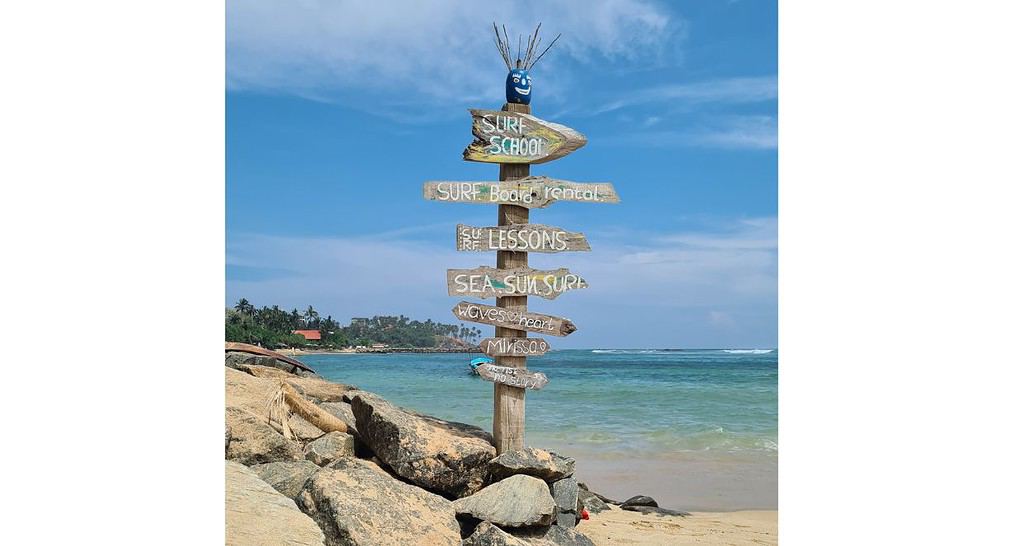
[[272, 327]]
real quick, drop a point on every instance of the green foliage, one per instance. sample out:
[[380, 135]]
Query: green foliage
[[272, 326]]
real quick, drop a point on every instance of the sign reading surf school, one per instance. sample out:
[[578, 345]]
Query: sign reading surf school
[[509, 137], [512, 319], [515, 377], [488, 282], [518, 238], [530, 192]]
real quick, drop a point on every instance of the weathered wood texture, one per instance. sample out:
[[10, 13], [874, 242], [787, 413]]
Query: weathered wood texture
[[516, 378], [514, 346], [487, 282], [530, 192], [514, 320], [256, 350], [520, 238], [511, 137], [510, 401]]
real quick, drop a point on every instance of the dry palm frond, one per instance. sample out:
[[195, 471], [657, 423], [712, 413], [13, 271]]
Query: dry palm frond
[[277, 410]]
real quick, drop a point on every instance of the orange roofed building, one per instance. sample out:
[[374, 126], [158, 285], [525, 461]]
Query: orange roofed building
[[309, 335]]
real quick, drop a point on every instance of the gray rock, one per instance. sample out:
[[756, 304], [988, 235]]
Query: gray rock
[[566, 494], [534, 462], [330, 447], [654, 510], [236, 360], [343, 411], [441, 456], [254, 442], [639, 500], [566, 519], [591, 502], [518, 501], [488, 534], [286, 477], [599, 496], [566, 536], [256, 514], [227, 436], [355, 504]]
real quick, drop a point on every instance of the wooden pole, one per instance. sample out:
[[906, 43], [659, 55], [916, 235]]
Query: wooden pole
[[510, 402]]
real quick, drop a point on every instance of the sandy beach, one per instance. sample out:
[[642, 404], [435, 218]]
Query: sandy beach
[[616, 526]]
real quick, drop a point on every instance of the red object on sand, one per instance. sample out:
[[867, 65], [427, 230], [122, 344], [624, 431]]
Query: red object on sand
[[585, 515]]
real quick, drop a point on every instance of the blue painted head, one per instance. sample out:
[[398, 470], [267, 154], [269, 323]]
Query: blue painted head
[[518, 88]]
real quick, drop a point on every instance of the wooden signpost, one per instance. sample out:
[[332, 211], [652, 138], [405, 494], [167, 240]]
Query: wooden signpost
[[520, 378], [514, 320], [514, 346], [515, 139], [487, 282], [525, 238], [531, 192]]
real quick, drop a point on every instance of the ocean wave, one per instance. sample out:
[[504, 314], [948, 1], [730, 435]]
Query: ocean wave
[[635, 351], [748, 351]]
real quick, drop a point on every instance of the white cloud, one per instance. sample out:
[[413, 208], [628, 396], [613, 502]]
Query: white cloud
[[730, 132], [729, 90], [641, 289], [425, 51]]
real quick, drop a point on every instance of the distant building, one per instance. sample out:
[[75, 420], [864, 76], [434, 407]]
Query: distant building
[[309, 335], [379, 346]]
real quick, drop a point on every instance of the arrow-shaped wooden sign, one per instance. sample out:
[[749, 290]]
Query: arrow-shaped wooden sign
[[488, 282], [530, 192], [515, 320], [514, 377], [518, 238], [514, 346], [507, 137]]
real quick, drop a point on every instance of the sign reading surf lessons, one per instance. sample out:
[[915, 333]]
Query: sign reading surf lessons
[[514, 377], [512, 319], [488, 282], [530, 192], [514, 346], [509, 137], [518, 238]]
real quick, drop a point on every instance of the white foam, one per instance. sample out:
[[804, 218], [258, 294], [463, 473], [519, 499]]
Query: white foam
[[748, 351]]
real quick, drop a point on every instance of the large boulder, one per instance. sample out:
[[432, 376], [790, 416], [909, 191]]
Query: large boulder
[[356, 505], [256, 514], [639, 500], [238, 360], [566, 497], [488, 534], [330, 447], [286, 477], [562, 536], [518, 501], [439, 455], [343, 411], [253, 441], [534, 462]]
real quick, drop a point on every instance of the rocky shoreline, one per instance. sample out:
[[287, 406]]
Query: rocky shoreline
[[394, 477]]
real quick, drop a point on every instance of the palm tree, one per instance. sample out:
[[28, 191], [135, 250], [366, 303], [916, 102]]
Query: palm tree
[[244, 307], [311, 317]]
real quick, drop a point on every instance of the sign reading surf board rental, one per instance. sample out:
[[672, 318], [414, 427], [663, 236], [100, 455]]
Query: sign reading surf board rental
[[518, 238], [512, 319], [514, 346], [509, 137], [530, 192], [488, 282], [514, 377]]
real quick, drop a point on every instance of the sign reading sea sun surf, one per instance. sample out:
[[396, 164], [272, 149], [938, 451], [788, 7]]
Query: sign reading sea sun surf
[[530, 192], [514, 346], [512, 319], [514, 377], [518, 238], [488, 282], [508, 137]]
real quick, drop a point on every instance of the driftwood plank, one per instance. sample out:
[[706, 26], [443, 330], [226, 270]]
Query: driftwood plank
[[488, 282], [512, 319], [513, 377], [514, 346], [519, 238], [510, 137], [530, 192]]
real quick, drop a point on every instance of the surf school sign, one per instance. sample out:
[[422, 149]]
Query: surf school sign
[[507, 137]]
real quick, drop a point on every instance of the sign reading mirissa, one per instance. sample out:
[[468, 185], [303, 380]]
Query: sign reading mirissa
[[515, 139]]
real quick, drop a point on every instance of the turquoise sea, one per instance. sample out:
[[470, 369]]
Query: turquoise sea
[[695, 429]]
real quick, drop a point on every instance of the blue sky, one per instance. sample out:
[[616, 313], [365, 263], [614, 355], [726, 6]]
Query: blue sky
[[337, 112]]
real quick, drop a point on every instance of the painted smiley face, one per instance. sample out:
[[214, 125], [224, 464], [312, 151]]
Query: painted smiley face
[[518, 86]]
